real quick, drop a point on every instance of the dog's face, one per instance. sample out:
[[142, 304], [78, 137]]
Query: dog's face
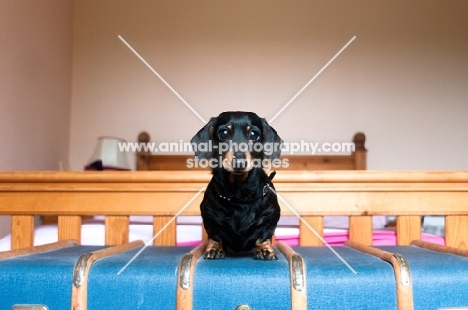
[[237, 142]]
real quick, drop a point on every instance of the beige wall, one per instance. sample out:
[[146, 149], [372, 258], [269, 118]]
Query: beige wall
[[402, 81], [35, 85]]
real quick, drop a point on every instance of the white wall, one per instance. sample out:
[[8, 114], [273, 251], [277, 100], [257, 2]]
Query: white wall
[[402, 81], [35, 85]]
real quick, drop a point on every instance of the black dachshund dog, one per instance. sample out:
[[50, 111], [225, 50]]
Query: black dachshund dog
[[239, 210]]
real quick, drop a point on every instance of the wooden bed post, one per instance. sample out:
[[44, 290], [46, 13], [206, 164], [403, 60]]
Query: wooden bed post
[[143, 155], [360, 152]]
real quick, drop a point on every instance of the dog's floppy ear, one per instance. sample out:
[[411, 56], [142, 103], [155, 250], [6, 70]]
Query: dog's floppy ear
[[271, 137], [201, 141]]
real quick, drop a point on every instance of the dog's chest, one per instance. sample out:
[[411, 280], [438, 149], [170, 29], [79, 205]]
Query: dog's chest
[[240, 218]]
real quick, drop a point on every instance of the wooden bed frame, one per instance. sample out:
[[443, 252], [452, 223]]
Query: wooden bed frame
[[358, 194], [162, 194]]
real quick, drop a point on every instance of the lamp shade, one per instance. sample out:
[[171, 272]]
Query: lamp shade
[[108, 156]]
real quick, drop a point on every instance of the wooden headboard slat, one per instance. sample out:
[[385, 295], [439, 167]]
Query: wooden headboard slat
[[408, 229], [456, 231], [360, 229], [167, 235], [307, 236], [22, 231], [69, 227]]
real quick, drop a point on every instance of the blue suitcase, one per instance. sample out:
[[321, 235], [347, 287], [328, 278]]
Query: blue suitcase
[[350, 277], [42, 277], [359, 282], [176, 278], [141, 278], [427, 276], [132, 276], [439, 280], [64, 275], [67, 276]]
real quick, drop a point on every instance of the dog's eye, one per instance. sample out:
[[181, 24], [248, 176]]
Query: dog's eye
[[254, 135], [223, 134]]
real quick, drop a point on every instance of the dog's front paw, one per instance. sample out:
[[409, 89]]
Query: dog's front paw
[[265, 250], [214, 250], [214, 254], [265, 255]]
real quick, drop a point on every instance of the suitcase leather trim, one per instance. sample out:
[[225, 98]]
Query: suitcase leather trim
[[404, 287], [38, 249], [439, 248], [82, 267], [185, 276], [297, 275]]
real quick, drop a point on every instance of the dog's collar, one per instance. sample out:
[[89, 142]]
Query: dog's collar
[[265, 190]]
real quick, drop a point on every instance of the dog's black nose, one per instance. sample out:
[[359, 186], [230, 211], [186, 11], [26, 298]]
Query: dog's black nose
[[239, 161]]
